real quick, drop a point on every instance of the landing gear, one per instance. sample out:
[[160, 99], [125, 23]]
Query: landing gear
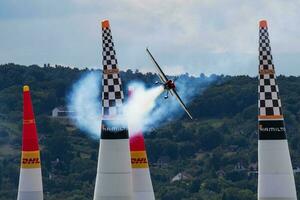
[[167, 95]]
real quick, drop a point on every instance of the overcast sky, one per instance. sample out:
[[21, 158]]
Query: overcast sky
[[203, 36]]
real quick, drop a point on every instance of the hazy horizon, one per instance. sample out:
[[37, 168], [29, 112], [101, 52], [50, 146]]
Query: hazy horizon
[[184, 36]]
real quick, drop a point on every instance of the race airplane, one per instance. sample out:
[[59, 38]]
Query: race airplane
[[169, 85]]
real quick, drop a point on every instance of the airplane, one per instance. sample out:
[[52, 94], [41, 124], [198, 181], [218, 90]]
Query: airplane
[[169, 85]]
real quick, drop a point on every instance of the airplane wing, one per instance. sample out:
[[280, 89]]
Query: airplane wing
[[162, 76], [173, 91]]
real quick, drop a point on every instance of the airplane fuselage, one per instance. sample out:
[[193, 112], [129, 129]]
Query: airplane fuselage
[[169, 85]]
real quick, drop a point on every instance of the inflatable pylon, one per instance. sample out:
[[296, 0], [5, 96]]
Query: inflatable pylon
[[114, 174], [142, 184], [275, 172], [141, 178], [30, 182]]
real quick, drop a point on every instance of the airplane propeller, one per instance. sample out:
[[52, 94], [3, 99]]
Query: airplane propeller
[[169, 89]]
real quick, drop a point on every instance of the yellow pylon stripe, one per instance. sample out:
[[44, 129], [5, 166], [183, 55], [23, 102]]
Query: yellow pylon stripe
[[139, 159], [266, 71], [270, 117], [30, 159], [110, 71]]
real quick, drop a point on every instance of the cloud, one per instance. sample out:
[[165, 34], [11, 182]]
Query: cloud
[[202, 36]]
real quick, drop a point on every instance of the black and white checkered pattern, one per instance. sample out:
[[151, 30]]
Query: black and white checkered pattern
[[109, 53], [112, 92], [269, 101], [265, 56]]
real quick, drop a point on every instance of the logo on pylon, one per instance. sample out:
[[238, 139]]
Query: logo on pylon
[[139, 159], [31, 159]]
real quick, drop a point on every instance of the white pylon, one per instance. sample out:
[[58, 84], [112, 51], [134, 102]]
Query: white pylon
[[114, 174], [275, 172]]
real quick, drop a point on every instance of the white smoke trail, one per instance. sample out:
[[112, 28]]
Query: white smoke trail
[[166, 110], [143, 111], [140, 104], [84, 101]]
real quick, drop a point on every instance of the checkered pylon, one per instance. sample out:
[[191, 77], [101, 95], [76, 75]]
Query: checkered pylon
[[269, 101], [112, 92]]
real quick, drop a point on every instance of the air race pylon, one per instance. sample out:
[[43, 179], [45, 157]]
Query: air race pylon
[[141, 179], [275, 173], [114, 174], [30, 182], [142, 184]]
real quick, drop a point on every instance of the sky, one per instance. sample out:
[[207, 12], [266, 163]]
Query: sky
[[185, 36]]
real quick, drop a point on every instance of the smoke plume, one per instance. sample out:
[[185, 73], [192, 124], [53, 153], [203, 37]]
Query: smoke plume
[[145, 110], [140, 104], [84, 101]]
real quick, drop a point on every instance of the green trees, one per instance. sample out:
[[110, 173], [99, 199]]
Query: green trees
[[209, 138], [217, 151], [238, 194]]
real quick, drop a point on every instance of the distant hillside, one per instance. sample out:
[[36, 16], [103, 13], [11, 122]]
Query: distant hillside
[[216, 153]]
